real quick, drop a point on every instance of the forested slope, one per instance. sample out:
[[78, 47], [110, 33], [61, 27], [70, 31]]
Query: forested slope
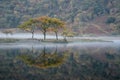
[[76, 13]]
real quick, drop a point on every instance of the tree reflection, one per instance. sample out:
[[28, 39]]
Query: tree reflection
[[45, 59], [50, 63]]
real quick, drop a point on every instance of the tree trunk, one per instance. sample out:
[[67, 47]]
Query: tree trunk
[[44, 35], [32, 35], [44, 51], [56, 35], [65, 39]]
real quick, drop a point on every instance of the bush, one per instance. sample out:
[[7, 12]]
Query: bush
[[110, 20]]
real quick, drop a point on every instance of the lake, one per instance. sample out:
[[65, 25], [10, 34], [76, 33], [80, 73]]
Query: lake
[[70, 61]]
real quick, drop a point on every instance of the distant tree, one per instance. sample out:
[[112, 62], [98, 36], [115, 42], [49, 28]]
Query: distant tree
[[67, 33], [98, 10], [110, 20], [29, 26], [7, 32]]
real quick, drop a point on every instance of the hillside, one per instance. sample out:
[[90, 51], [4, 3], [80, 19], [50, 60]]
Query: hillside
[[83, 16]]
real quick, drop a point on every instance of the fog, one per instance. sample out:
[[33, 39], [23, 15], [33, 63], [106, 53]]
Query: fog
[[110, 41], [27, 35], [48, 36]]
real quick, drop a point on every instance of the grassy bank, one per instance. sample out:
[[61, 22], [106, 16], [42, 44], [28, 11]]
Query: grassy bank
[[8, 40]]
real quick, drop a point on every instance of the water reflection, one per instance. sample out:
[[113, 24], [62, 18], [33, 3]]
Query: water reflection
[[44, 59], [90, 62]]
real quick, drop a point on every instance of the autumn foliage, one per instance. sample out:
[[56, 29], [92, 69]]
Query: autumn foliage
[[43, 23]]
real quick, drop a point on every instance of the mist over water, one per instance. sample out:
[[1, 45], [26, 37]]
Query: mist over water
[[49, 45]]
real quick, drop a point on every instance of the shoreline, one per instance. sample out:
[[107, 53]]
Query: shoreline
[[72, 40], [51, 38]]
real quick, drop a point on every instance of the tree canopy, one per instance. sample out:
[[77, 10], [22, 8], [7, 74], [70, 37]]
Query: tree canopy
[[56, 25], [28, 26]]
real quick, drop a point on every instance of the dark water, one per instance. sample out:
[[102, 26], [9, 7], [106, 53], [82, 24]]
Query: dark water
[[76, 61]]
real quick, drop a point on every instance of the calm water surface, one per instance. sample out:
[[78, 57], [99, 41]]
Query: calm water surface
[[74, 61]]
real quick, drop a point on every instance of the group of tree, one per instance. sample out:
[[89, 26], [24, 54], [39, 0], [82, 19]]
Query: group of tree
[[44, 24]]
